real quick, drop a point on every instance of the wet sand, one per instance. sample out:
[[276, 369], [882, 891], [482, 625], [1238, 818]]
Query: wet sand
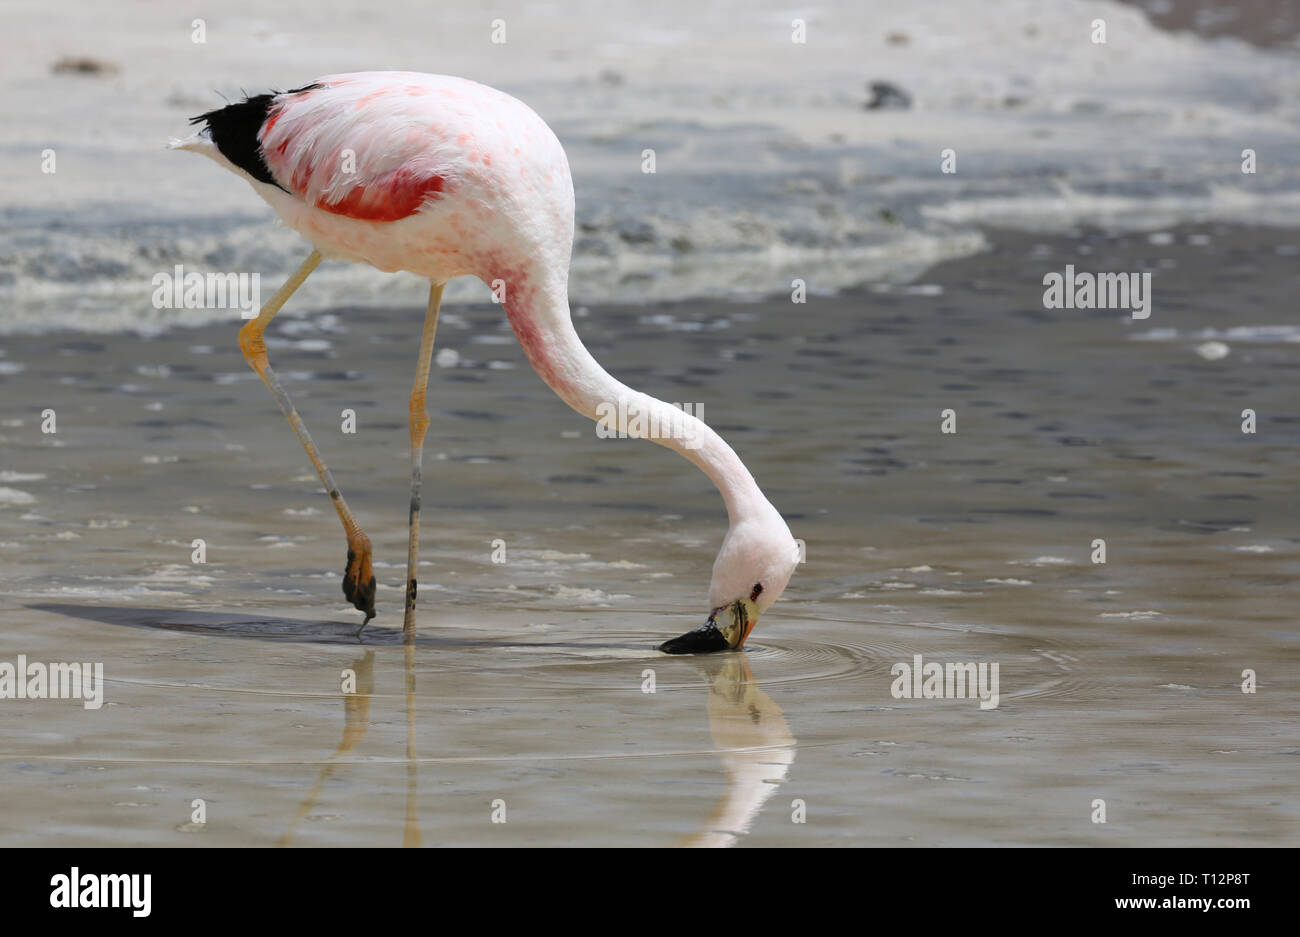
[[1263, 23], [1119, 682]]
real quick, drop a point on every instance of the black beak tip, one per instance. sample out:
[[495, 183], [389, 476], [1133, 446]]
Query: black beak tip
[[705, 639]]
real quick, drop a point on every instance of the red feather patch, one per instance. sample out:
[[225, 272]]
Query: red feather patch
[[397, 195]]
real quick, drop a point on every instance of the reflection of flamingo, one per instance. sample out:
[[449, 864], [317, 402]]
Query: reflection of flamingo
[[356, 720], [742, 716], [444, 177], [411, 828]]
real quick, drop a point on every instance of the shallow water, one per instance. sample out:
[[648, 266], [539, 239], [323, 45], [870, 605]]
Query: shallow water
[[1118, 682]]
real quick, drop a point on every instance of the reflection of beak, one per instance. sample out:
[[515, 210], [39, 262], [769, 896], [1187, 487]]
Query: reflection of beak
[[726, 629]]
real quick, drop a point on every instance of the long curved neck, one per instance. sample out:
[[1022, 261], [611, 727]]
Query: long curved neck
[[539, 315]]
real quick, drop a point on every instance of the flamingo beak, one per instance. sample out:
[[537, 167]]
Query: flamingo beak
[[726, 629]]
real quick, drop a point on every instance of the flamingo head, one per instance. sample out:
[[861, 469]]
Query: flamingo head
[[757, 559]]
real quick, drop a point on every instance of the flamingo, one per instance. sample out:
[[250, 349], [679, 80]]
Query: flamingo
[[445, 177]]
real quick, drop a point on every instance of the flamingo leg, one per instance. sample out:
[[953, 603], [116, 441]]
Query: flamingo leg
[[419, 424], [358, 575]]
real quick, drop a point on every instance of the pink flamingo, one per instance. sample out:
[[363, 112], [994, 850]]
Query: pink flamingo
[[445, 177]]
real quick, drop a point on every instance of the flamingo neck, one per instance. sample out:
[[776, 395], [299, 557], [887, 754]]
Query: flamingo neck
[[541, 321]]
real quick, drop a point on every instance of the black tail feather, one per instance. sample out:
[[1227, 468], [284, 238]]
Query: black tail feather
[[234, 129]]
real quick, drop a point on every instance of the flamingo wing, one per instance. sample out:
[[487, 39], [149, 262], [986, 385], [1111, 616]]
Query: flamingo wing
[[374, 146]]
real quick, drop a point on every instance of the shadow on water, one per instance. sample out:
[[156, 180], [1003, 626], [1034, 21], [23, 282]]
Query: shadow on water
[[291, 630]]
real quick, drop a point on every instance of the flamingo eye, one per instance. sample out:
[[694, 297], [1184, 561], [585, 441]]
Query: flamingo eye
[[756, 592]]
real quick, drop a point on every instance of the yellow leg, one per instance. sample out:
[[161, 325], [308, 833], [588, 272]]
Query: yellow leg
[[419, 423], [358, 575]]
